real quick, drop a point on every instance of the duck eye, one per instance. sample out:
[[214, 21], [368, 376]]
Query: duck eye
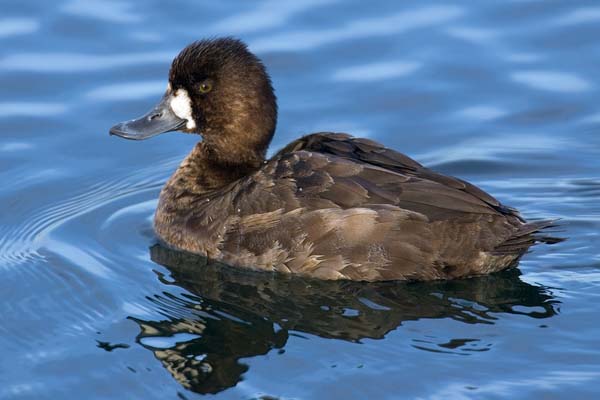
[[205, 87]]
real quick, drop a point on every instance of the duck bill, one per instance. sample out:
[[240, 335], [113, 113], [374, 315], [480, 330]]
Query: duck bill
[[159, 120]]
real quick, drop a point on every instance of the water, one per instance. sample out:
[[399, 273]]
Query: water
[[504, 94]]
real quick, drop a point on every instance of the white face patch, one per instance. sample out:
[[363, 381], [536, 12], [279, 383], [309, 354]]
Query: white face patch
[[182, 107]]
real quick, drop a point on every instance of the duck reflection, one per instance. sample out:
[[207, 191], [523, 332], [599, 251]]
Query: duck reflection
[[230, 313]]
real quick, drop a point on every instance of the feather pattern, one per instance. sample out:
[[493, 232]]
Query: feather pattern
[[335, 207]]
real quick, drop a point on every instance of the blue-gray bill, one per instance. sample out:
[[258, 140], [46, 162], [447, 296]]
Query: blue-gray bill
[[159, 120]]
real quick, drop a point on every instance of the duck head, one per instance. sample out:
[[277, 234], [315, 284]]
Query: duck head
[[220, 90]]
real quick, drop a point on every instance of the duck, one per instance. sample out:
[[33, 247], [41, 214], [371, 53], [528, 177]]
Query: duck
[[326, 206]]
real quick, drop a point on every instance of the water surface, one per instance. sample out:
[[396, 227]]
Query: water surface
[[504, 94]]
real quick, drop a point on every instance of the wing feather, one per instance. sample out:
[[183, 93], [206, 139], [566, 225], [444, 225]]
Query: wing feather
[[450, 193]]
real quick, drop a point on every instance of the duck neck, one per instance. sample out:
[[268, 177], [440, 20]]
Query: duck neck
[[207, 168]]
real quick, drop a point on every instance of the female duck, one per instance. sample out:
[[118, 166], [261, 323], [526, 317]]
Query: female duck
[[327, 205]]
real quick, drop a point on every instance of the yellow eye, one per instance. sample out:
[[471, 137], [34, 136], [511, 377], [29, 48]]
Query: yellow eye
[[205, 87]]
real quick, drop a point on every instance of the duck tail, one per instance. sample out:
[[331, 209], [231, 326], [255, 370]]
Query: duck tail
[[527, 235]]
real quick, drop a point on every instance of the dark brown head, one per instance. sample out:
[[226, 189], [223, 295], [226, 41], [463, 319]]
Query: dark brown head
[[220, 90]]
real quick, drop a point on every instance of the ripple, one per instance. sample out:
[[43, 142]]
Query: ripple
[[393, 24], [520, 387], [580, 16], [523, 58], [470, 34], [137, 309], [266, 15], [593, 118], [146, 36], [106, 10], [491, 148], [77, 62], [138, 208], [482, 113], [22, 389], [552, 81], [17, 26], [556, 278], [167, 342], [127, 91], [457, 346], [10, 147], [85, 258], [21, 243], [376, 71], [31, 109]]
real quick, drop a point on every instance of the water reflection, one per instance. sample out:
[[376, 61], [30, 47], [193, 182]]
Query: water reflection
[[232, 314]]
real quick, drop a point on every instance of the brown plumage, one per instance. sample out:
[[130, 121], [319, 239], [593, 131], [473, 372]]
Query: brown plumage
[[327, 205]]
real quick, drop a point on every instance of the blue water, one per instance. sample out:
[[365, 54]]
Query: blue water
[[505, 94]]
